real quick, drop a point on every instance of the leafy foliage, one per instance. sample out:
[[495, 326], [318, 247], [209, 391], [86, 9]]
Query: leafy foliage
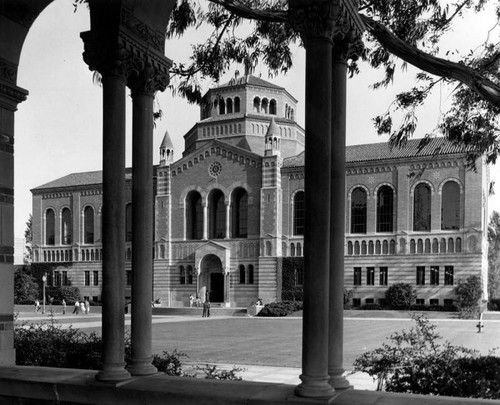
[[67, 293], [170, 363], [212, 372], [283, 308], [28, 240], [494, 255], [416, 361], [400, 296], [26, 289], [290, 291], [469, 292]]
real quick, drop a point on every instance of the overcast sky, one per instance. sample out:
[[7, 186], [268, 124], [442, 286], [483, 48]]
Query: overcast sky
[[59, 127]]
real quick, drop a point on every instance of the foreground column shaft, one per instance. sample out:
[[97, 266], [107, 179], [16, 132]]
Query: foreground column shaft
[[142, 233], [113, 230], [317, 225], [337, 231]]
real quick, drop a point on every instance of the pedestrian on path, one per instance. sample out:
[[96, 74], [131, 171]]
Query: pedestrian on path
[[77, 308], [37, 305], [64, 306], [87, 307], [82, 307], [206, 309]]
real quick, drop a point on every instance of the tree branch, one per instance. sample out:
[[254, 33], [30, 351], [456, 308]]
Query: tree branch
[[480, 84]]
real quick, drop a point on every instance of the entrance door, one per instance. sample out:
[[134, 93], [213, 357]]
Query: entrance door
[[217, 287]]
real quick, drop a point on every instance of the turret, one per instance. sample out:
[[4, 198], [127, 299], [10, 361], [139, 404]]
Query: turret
[[166, 151], [273, 140]]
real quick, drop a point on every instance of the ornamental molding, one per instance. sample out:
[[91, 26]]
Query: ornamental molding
[[143, 31], [8, 71], [14, 94]]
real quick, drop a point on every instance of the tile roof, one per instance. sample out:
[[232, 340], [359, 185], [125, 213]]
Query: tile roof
[[382, 151], [250, 80]]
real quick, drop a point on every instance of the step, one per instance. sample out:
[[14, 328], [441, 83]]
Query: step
[[197, 311]]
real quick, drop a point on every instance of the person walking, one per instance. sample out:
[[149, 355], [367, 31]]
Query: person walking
[[37, 305], [64, 306], [191, 300], [206, 309], [77, 308], [82, 307], [87, 306]]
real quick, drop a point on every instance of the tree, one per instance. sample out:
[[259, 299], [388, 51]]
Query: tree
[[398, 32], [469, 292], [28, 239], [26, 289], [494, 256]]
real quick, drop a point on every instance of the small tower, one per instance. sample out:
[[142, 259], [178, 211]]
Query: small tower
[[273, 140], [166, 151]]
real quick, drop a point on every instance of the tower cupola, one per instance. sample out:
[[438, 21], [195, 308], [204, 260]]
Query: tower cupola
[[166, 150], [273, 139]]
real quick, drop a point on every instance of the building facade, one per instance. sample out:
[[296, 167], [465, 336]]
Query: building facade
[[231, 209]]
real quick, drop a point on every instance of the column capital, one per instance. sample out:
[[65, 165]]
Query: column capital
[[329, 20], [11, 95]]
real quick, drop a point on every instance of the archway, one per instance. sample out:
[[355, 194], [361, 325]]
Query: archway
[[212, 279]]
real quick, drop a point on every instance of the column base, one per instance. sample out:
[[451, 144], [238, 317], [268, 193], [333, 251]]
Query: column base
[[113, 373], [314, 387], [338, 381], [142, 367]]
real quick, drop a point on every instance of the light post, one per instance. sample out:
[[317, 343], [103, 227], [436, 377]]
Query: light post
[[44, 279]]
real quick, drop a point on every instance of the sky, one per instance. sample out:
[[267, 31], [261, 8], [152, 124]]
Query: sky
[[59, 127]]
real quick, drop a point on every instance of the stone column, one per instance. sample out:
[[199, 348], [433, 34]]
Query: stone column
[[112, 62], [143, 86], [227, 287], [10, 96], [315, 24], [337, 230], [228, 213], [205, 221]]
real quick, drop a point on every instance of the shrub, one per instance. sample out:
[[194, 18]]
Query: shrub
[[283, 308], [215, 373], [348, 298], [26, 289], [469, 292], [69, 294], [494, 304], [400, 296], [372, 307], [416, 362], [170, 363]]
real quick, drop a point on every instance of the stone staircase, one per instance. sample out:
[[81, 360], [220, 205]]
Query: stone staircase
[[215, 310]]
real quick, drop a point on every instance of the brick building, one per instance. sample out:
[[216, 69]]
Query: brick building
[[230, 212]]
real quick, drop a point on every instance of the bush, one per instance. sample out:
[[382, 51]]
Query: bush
[[348, 298], [416, 362], [170, 363], [371, 307], [469, 292], [26, 289], [400, 296], [69, 294], [214, 373], [494, 304], [283, 308]]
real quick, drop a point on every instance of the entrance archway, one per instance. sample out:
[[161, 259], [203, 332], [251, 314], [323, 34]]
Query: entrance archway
[[212, 278]]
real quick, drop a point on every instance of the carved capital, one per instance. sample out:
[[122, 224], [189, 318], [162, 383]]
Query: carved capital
[[8, 71], [11, 95], [149, 77], [348, 47]]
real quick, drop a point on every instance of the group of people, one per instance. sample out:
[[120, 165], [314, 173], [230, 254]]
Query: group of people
[[196, 302], [63, 303], [82, 306]]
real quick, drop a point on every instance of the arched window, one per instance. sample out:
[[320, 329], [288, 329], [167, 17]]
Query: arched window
[[242, 274], [162, 251], [363, 248], [349, 248], [299, 213], [435, 246], [66, 227], [250, 274], [358, 211], [189, 274], [442, 246], [412, 246], [356, 248], [236, 104], [265, 105], [128, 223], [422, 208], [370, 247], [292, 249], [272, 107], [451, 245], [239, 210], [420, 246], [256, 104], [222, 106], [450, 206], [229, 106], [299, 249], [88, 225], [194, 216], [269, 250], [50, 227], [299, 277], [217, 215], [182, 275], [385, 208]]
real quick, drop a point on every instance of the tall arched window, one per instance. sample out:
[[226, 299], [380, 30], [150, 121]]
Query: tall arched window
[[182, 275], [88, 225], [194, 216], [229, 106], [222, 106], [250, 274], [50, 227], [256, 104], [239, 210], [269, 250], [66, 227], [422, 208], [265, 105], [272, 107], [385, 209], [358, 211], [299, 213], [217, 215], [242, 274], [128, 223], [450, 206], [189, 274], [236, 104]]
